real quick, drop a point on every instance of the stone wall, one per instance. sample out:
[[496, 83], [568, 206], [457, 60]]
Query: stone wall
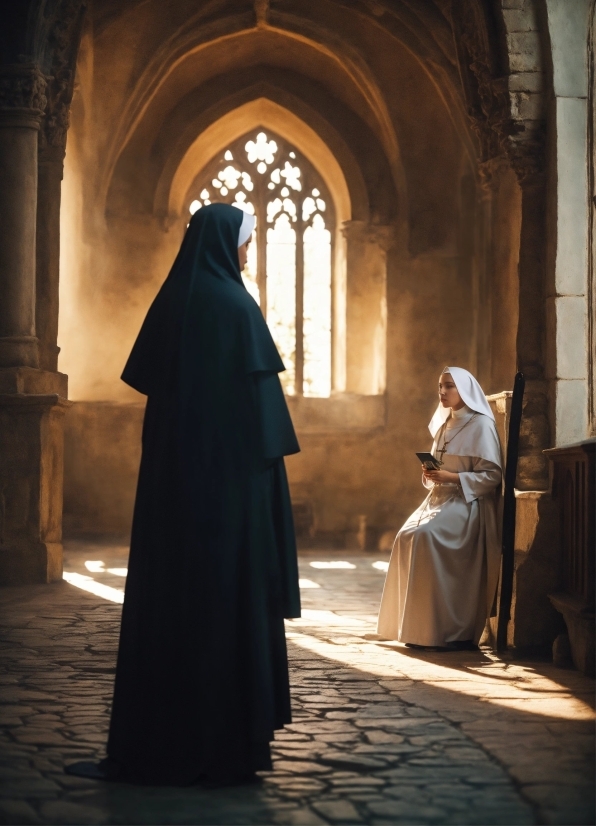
[[387, 130]]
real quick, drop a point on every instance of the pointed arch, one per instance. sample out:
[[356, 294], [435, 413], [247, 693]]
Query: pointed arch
[[173, 189]]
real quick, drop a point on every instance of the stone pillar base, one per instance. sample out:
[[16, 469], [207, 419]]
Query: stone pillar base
[[534, 622], [579, 620], [30, 563], [31, 482]]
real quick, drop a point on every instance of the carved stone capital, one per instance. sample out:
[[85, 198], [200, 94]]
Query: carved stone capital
[[22, 91], [495, 117], [527, 158], [64, 40], [54, 128]]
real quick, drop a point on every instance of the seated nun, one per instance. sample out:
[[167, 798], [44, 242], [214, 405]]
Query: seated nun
[[444, 567]]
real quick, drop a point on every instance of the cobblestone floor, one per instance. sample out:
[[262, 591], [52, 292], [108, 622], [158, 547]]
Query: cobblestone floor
[[381, 733]]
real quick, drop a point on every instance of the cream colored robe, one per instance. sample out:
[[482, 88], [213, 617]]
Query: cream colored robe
[[444, 566]]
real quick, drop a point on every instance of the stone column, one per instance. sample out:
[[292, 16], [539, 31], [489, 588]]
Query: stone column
[[51, 168], [22, 101], [32, 401], [366, 305], [533, 620], [533, 473]]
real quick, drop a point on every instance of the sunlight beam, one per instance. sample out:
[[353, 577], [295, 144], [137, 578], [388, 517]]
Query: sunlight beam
[[87, 583]]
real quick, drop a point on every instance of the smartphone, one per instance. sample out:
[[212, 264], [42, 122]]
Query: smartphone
[[429, 461]]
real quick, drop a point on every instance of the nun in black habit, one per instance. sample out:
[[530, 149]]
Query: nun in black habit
[[202, 672]]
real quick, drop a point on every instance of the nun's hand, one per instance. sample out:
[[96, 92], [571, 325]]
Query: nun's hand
[[439, 476]]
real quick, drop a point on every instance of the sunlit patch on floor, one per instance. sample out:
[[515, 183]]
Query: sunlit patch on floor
[[333, 564], [308, 583], [483, 683], [87, 583], [96, 566], [381, 566], [312, 617]]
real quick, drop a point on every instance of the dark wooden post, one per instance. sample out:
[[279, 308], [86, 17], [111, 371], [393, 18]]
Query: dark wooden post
[[508, 541]]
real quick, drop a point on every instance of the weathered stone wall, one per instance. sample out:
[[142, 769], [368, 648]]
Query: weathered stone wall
[[567, 274], [403, 150], [453, 137]]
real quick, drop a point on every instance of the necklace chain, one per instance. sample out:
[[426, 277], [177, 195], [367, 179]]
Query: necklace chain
[[446, 443]]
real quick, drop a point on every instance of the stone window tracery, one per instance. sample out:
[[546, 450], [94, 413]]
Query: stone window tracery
[[289, 269]]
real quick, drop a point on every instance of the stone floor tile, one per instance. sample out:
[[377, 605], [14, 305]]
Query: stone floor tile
[[562, 806], [342, 737], [17, 812], [380, 733], [64, 812], [32, 788], [300, 767], [405, 811], [303, 816], [338, 811], [376, 737], [353, 780], [347, 760]]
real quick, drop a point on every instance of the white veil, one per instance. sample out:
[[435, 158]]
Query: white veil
[[471, 393], [246, 228]]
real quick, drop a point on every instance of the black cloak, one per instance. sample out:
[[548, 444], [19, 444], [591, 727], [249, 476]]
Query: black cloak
[[202, 674]]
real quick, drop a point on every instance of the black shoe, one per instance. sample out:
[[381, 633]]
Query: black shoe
[[424, 647], [105, 769], [462, 645]]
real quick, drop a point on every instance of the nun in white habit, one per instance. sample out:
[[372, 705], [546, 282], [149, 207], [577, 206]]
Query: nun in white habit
[[444, 566]]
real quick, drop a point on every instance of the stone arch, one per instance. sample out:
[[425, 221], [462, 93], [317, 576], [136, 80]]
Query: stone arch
[[173, 187], [371, 184], [181, 63]]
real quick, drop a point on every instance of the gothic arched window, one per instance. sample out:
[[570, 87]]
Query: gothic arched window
[[290, 258]]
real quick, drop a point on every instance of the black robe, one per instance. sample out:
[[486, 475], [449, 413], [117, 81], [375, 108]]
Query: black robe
[[202, 676]]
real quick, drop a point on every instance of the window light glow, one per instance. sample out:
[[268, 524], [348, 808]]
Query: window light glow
[[297, 256], [261, 149], [281, 296], [317, 309], [292, 176]]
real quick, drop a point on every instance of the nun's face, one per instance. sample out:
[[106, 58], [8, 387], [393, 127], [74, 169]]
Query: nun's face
[[243, 254], [448, 395]]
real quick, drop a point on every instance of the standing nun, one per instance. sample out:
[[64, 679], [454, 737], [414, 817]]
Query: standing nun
[[202, 672], [444, 566]]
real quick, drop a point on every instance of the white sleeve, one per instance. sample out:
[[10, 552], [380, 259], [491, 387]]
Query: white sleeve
[[428, 483], [482, 479]]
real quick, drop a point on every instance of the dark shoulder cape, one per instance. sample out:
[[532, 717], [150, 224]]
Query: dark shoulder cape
[[202, 679], [203, 313]]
